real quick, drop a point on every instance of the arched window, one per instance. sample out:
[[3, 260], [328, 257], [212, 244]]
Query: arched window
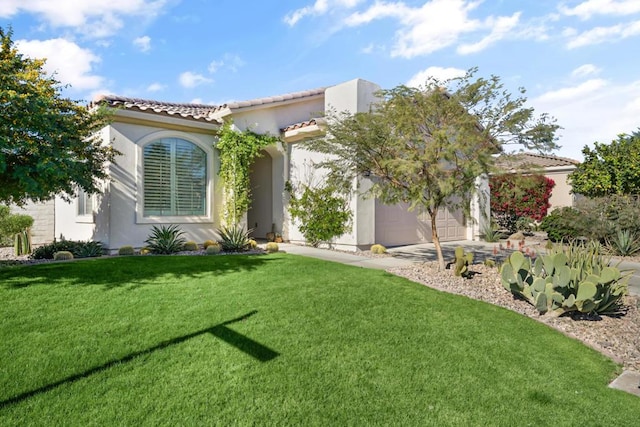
[[175, 178]]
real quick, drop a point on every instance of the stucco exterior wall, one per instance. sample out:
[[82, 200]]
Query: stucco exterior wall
[[118, 219], [352, 96], [43, 214], [561, 194]]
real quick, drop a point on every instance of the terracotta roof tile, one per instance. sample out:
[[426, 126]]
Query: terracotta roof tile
[[300, 125], [192, 111], [534, 160], [203, 112]]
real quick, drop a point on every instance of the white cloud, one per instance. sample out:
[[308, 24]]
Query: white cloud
[[95, 18], [599, 35], [143, 43], [319, 7], [439, 73], [438, 24], [500, 27], [156, 87], [72, 64], [229, 61], [585, 70], [589, 8], [596, 110], [190, 80]]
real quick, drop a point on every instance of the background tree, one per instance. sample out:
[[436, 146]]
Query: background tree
[[48, 144], [427, 146], [612, 169]]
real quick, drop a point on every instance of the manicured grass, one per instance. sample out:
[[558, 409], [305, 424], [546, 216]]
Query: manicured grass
[[280, 339]]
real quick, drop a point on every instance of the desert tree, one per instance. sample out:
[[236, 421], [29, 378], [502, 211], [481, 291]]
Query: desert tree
[[427, 146]]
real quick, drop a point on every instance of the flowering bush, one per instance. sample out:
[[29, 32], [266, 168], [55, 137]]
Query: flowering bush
[[517, 196]]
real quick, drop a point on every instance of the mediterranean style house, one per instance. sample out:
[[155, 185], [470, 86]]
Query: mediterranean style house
[[556, 168], [167, 174]]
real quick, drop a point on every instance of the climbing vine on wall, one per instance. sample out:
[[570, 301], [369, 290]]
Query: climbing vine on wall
[[238, 150]]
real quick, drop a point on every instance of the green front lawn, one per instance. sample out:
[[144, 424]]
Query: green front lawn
[[280, 339]]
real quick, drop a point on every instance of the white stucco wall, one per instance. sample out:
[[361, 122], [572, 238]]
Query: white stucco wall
[[352, 97], [118, 219]]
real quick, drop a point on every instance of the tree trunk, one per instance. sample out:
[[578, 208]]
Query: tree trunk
[[436, 239]]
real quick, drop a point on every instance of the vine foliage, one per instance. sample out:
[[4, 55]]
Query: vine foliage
[[238, 150]]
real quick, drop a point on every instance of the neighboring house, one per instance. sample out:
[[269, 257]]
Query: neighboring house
[[553, 167], [168, 173]]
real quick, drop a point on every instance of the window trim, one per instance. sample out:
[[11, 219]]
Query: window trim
[[88, 218], [159, 219]]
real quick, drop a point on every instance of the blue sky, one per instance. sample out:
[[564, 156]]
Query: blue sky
[[578, 60]]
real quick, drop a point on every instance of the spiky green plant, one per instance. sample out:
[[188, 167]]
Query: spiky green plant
[[190, 246], [234, 239], [490, 232], [623, 243], [165, 239], [88, 249], [22, 242]]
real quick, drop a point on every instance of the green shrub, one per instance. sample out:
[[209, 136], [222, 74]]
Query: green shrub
[[191, 246], [378, 249], [623, 243], [79, 249], [214, 248], [234, 239], [323, 212], [561, 224], [62, 256], [165, 239], [576, 278], [126, 250], [10, 224], [272, 247]]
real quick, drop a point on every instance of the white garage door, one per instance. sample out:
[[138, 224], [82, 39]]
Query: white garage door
[[396, 225]]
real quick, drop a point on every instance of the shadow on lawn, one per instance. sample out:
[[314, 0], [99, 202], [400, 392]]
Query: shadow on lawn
[[239, 341], [130, 272]]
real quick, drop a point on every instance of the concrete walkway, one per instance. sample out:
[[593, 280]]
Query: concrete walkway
[[404, 256]]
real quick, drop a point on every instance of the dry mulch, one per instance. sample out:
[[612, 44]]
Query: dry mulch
[[617, 337]]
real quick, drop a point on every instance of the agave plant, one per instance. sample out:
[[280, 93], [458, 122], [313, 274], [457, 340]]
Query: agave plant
[[88, 249], [624, 243], [234, 239], [165, 240], [490, 232]]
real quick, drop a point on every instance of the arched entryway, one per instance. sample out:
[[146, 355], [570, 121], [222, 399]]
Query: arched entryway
[[260, 213]]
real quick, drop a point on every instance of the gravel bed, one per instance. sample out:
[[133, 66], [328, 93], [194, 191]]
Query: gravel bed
[[616, 337]]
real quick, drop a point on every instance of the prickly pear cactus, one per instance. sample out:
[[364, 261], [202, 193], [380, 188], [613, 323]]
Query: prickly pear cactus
[[554, 284]]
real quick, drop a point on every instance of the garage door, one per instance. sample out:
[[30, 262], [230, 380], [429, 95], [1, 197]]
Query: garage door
[[396, 225]]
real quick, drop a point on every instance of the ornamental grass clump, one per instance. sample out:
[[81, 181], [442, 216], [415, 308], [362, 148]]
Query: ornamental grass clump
[[572, 279], [165, 239]]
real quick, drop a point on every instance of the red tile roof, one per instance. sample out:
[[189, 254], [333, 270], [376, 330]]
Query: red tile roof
[[300, 125], [201, 112], [519, 160]]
